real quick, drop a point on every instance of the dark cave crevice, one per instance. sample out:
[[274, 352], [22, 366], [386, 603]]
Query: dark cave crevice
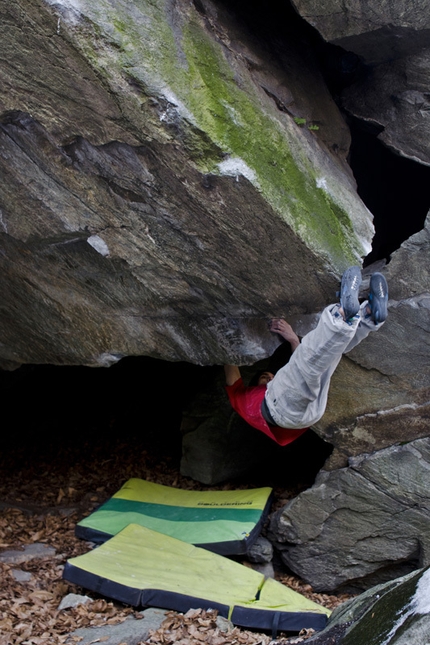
[[55, 411], [394, 189], [138, 396]]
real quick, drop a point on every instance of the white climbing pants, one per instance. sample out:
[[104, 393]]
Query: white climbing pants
[[297, 396]]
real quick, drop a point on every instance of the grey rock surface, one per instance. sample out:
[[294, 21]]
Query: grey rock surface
[[394, 96], [73, 600], [376, 31], [394, 613], [261, 551], [360, 525], [392, 38], [131, 631], [266, 568], [29, 552], [21, 576], [163, 205], [224, 625]]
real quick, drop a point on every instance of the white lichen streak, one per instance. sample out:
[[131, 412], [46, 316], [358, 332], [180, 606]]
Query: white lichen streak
[[177, 105], [67, 4], [234, 167], [2, 222], [403, 406], [419, 605], [148, 234], [107, 359], [421, 600], [98, 244], [70, 10], [322, 183]]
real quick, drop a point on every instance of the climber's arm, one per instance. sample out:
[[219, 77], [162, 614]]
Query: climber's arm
[[232, 374]]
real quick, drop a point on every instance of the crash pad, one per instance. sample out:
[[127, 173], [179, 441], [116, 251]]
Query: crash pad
[[226, 522], [141, 567]]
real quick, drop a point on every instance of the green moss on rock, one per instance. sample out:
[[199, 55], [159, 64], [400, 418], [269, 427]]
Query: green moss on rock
[[182, 62]]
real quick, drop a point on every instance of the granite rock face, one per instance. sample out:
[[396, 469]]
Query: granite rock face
[[360, 525], [159, 197]]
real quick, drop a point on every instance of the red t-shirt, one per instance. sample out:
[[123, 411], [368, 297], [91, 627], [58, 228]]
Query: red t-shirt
[[246, 401]]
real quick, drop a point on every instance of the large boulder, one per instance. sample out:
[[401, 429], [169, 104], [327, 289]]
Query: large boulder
[[158, 195], [360, 525]]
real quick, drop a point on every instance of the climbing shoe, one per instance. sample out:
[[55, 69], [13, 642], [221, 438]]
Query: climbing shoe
[[378, 298], [351, 281]]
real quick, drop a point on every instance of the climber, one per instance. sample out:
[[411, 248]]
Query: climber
[[285, 404]]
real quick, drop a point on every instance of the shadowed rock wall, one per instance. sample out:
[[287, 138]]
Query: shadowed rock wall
[[392, 38], [376, 31]]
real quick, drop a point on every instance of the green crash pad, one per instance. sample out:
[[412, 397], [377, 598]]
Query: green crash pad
[[141, 567], [226, 522]]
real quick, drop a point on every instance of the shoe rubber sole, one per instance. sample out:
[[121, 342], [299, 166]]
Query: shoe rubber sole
[[378, 298], [349, 288]]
